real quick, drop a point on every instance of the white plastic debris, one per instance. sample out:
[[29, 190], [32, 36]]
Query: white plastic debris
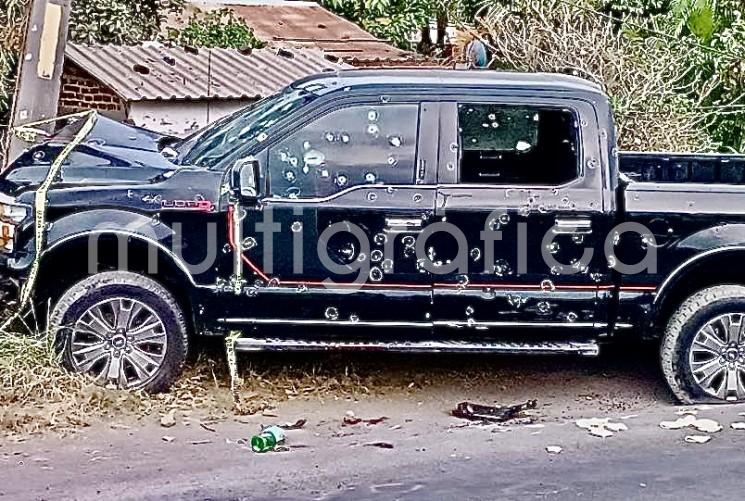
[[679, 423], [738, 425], [599, 431], [616, 427], [554, 449], [697, 439], [600, 427], [707, 425]]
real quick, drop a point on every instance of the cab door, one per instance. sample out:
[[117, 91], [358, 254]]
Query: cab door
[[349, 192], [521, 190]]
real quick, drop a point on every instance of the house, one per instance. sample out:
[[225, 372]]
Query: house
[[303, 24], [178, 90]]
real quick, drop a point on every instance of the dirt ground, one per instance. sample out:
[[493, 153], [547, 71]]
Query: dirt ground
[[419, 451]]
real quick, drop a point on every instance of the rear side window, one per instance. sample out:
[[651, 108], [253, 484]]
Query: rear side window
[[361, 144], [517, 145]]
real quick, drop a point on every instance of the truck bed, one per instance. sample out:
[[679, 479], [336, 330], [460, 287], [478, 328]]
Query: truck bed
[[683, 168]]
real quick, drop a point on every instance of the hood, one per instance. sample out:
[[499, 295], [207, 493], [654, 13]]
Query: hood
[[112, 153]]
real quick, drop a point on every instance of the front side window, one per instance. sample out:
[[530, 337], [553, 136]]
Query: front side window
[[517, 145], [361, 144]]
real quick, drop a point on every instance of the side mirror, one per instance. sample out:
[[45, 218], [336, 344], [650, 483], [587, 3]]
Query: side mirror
[[244, 177]]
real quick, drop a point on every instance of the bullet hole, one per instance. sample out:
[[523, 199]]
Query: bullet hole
[[380, 239], [592, 163], [344, 138], [387, 265], [451, 166], [372, 116], [376, 255], [578, 239], [292, 192], [392, 161], [141, 69], [314, 158], [544, 308], [248, 243], [155, 220], [330, 137], [373, 130], [301, 288], [516, 301], [385, 99], [370, 177], [262, 137], [501, 268], [371, 197], [490, 116], [354, 318], [226, 248], [274, 282], [556, 270], [494, 125], [417, 197], [553, 248], [376, 274], [547, 286], [361, 257], [306, 145], [285, 53], [475, 254], [289, 175], [341, 180], [462, 281], [395, 141], [612, 262], [323, 173], [524, 210], [565, 202], [296, 227], [408, 241], [469, 311], [331, 313], [596, 277]]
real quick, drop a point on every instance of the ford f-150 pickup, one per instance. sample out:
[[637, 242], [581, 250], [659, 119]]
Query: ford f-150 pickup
[[402, 210]]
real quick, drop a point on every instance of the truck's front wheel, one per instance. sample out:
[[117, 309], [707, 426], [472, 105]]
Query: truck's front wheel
[[703, 349], [121, 328]]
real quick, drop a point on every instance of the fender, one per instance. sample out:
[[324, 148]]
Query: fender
[[703, 244], [114, 222]]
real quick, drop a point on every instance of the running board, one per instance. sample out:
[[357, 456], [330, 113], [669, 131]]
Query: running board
[[588, 348]]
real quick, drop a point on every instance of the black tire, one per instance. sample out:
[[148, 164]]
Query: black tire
[[692, 315], [127, 286]]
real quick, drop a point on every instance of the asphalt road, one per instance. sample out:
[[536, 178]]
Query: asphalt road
[[433, 455]]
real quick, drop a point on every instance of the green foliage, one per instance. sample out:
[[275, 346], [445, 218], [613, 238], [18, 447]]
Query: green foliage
[[125, 22], [393, 20], [217, 28]]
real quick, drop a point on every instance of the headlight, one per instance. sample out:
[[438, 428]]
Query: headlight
[[14, 213]]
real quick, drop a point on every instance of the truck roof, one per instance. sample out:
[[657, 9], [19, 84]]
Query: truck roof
[[453, 78]]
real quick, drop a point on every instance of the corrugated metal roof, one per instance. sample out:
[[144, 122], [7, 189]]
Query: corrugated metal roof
[[306, 24], [153, 71]]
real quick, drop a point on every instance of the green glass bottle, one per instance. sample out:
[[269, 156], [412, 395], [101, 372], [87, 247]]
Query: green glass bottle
[[267, 439]]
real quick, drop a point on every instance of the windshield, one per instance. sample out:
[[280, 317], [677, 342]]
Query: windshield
[[209, 146]]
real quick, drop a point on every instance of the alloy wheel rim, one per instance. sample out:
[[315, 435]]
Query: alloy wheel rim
[[717, 357], [120, 341]]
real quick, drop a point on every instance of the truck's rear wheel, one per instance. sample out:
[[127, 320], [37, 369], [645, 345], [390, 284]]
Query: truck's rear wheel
[[703, 349], [121, 328]]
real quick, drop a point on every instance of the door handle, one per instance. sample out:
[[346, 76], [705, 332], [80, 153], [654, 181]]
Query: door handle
[[572, 226], [402, 225]]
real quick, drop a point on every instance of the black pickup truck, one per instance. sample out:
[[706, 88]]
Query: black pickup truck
[[402, 210]]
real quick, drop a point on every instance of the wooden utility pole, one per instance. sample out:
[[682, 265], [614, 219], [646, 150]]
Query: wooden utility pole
[[40, 67]]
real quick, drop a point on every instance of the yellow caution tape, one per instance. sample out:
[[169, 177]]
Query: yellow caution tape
[[40, 203]]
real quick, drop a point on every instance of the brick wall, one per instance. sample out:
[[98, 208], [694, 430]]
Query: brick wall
[[80, 91]]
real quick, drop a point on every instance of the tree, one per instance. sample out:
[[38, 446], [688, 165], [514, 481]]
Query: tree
[[124, 22]]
